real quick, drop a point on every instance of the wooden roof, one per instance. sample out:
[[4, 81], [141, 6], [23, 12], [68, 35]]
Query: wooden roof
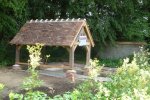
[[57, 32]]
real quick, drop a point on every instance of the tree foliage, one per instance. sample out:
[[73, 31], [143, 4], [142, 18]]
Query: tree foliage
[[111, 20], [12, 11], [12, 16]]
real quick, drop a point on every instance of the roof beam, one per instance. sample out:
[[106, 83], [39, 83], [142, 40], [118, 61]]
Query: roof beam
[[56, 20]]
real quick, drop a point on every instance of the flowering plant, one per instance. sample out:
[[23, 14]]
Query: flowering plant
[[34, 54], [33, 81]]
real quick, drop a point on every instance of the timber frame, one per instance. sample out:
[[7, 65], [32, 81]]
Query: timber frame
[[79, 27]]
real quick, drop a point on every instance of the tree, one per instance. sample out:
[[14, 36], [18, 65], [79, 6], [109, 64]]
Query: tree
[[12, 15]]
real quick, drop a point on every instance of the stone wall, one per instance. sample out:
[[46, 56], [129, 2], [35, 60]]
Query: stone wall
[[121, 50]]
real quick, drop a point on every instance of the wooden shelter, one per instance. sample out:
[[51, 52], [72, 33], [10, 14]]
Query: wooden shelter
[[68, 33]]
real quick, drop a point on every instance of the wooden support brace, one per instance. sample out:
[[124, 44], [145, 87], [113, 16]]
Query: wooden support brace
[[68, 49]]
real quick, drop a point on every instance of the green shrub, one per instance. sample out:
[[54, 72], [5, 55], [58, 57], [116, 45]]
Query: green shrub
[[128, 81], [36, 95], [1, 89], [33, 80], [111, 63], [94, 68], [142, 58], [131, 82]]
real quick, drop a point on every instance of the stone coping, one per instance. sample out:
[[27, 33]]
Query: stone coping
[[131, 43]]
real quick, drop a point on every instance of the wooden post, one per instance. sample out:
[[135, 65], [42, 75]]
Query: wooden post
[[71, 55], [17, 60], [88, 54]]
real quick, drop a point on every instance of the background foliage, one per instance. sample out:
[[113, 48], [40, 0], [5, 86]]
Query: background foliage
[[12, 16], [109, 20]]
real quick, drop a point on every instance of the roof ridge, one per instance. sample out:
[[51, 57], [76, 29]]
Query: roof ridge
[[56, 20]]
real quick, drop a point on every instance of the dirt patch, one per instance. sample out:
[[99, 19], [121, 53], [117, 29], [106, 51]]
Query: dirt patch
[[12, 79]]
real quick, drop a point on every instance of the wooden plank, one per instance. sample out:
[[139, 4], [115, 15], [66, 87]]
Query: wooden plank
[[21, 63]]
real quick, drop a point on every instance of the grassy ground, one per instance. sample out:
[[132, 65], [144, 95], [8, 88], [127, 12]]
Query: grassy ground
[[111, 63]]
